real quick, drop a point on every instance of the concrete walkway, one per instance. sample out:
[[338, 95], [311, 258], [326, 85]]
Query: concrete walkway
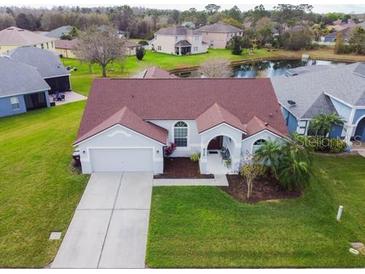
[[219, 180], [110, 225]]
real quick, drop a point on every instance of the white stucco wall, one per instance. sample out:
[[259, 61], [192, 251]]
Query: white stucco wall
[[234, 148], [120, 137], [247, 150], [193, 136]]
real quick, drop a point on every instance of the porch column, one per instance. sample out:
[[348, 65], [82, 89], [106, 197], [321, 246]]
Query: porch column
[[203, 162], [349, 131]]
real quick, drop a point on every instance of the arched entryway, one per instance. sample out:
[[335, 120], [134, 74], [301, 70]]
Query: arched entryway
[[360, 130], [219, 154]]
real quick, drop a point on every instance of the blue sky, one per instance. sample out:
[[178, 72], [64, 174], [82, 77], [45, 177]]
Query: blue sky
[[353, 6]]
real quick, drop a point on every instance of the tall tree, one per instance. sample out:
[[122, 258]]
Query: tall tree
[[357, 40], [216, 68], [101, 47], [212, 8], [340, 44]]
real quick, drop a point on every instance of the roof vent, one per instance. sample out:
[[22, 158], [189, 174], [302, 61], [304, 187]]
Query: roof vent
[[266, 124], [292, 103]]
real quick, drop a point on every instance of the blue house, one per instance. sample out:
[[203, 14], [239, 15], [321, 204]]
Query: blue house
[[303, 94], [22, 88]]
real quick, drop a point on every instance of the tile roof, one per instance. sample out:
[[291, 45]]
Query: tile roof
[[182, 99], [19, 78], [47, 62], [342, 82], [219, 27], [216, 115], [13, 36], [154, 72], [131, 120]]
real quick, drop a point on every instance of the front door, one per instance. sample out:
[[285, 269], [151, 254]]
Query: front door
[[216, 143]]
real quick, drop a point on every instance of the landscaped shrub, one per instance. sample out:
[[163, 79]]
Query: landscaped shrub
[[321, 144], [169, 150], [195, 157]]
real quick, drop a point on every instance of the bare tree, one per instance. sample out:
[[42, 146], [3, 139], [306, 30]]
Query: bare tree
[[100, 46], [216, 68]]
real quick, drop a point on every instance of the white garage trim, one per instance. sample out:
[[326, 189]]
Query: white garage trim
[[112, 127], [131, 164]]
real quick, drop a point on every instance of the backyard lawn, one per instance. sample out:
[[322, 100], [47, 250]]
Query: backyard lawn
[[204, 227], [38, 189], [82, 78]]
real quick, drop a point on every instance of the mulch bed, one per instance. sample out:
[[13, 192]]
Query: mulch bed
[[182, 168], [263, 190]]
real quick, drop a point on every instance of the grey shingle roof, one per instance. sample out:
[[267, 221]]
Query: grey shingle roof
[[219, 27], [59, 32], [19, 78], [47, 62], [342, 82], [183, 43], [177, 30]]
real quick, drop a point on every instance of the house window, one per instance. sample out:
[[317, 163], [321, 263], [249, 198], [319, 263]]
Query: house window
[[42, 46], [181, 134], [14, 103], [159, 48], [195, 49], [259, 142]]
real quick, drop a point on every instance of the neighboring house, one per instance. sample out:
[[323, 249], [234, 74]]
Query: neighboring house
[[66, 48], [330, 39], [48, 64], [22, 88], [217, 35], [179, 40], [131, 47], [339, 89], [154, 72], [128, 123], [13, 37], [60, 32]]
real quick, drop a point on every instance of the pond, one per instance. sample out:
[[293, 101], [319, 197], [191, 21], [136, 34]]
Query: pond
[[268, 68]]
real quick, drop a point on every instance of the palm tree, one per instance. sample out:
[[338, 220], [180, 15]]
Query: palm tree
[[268, 155], [294, 167], [323, 123]]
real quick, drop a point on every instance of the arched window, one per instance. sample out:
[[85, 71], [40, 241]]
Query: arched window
[[181, 134], [259, 142]]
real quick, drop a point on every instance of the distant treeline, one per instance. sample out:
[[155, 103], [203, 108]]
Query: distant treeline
[[143, 22]]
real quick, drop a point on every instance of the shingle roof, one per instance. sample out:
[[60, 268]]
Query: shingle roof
[[48, 63], [59, 32], [342, 82], [256, 125], [13, 36], [154, 72], [131, 120], [66, 44], [182, 99], [176, 30], [216, 115], [183, 43], [219, 27], [19, 78]]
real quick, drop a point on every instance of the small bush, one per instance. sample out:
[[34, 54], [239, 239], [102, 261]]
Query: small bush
[[195, 157], [321, 144]]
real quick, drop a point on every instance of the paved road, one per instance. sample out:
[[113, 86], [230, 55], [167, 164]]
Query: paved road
[[110, 225]]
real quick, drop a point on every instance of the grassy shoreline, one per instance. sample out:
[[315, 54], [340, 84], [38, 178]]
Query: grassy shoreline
[[83, 77]]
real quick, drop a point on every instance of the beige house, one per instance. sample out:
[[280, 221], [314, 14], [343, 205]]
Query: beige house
[[66, 48], [13, 37], [217, 35], [178, 40]]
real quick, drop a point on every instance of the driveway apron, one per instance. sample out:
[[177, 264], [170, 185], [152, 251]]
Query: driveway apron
[[110, 225]]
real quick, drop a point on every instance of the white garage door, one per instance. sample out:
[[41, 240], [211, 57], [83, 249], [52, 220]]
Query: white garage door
[[123, 159]]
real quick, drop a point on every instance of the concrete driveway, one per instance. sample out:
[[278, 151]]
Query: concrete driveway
[[110, 225]]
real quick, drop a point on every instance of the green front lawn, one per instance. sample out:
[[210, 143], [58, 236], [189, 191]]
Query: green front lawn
[[205, 227], [38, 189]]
